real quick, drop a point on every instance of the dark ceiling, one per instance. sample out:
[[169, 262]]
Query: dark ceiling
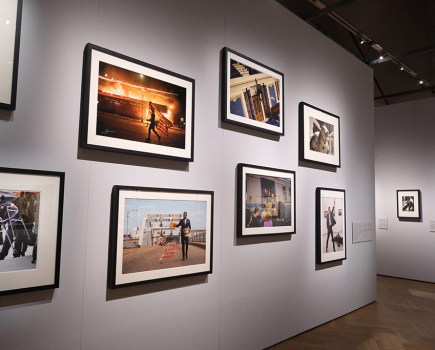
[[401, 31]]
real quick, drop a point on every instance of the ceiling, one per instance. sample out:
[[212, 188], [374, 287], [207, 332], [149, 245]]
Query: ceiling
[[401, 31]]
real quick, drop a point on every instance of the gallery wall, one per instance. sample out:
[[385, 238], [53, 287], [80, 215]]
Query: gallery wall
[[403, 142], [261, 290]]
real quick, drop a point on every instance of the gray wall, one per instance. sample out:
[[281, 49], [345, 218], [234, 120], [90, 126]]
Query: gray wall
[[261, 291], [404, 144]]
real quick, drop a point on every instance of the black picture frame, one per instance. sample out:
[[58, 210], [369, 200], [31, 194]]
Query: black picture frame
[[134, 107], [9, 52], [252, 93], [31, 211], [266, 201], [147, 239], [408, 204], [319, 136], [330, 215]]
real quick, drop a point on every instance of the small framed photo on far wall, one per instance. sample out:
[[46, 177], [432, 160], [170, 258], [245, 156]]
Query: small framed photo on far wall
[[408, 204]]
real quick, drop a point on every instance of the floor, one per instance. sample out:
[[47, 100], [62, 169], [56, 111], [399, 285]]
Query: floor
[[402, 318]]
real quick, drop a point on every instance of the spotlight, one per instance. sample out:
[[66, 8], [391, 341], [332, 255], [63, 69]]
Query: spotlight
[[381, 57], [421, 82], [401, 68]]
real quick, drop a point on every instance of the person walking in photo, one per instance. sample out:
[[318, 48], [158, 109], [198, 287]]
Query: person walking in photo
[[152, 125], [185, 232]]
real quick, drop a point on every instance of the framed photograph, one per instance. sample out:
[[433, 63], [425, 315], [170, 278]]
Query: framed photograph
[[265, 201], [330, 225], [31, 204], [158, 234], [408, 204], [319, 135], [253, 94], [10, 29], [133, 107]]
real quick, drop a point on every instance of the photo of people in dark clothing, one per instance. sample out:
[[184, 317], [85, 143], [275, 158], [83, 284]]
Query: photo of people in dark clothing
[[18, 229], [408, 203]]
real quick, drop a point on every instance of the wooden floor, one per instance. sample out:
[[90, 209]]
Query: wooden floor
[[402, 318]]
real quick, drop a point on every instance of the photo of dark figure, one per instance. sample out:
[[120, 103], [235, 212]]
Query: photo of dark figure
[[408, 203], [185, 232], [152, 125], [330, 222], [333, 222], [253, 220]]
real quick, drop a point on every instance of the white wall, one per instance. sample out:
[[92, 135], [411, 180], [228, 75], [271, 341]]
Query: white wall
[[404, 144], [261, 291]]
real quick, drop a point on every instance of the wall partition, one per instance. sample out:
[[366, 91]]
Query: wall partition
[[262, 289]]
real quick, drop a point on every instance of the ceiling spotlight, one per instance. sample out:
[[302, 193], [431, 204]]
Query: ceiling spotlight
[[381, 57], [421, 82], [362, 41], [401, 68]]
